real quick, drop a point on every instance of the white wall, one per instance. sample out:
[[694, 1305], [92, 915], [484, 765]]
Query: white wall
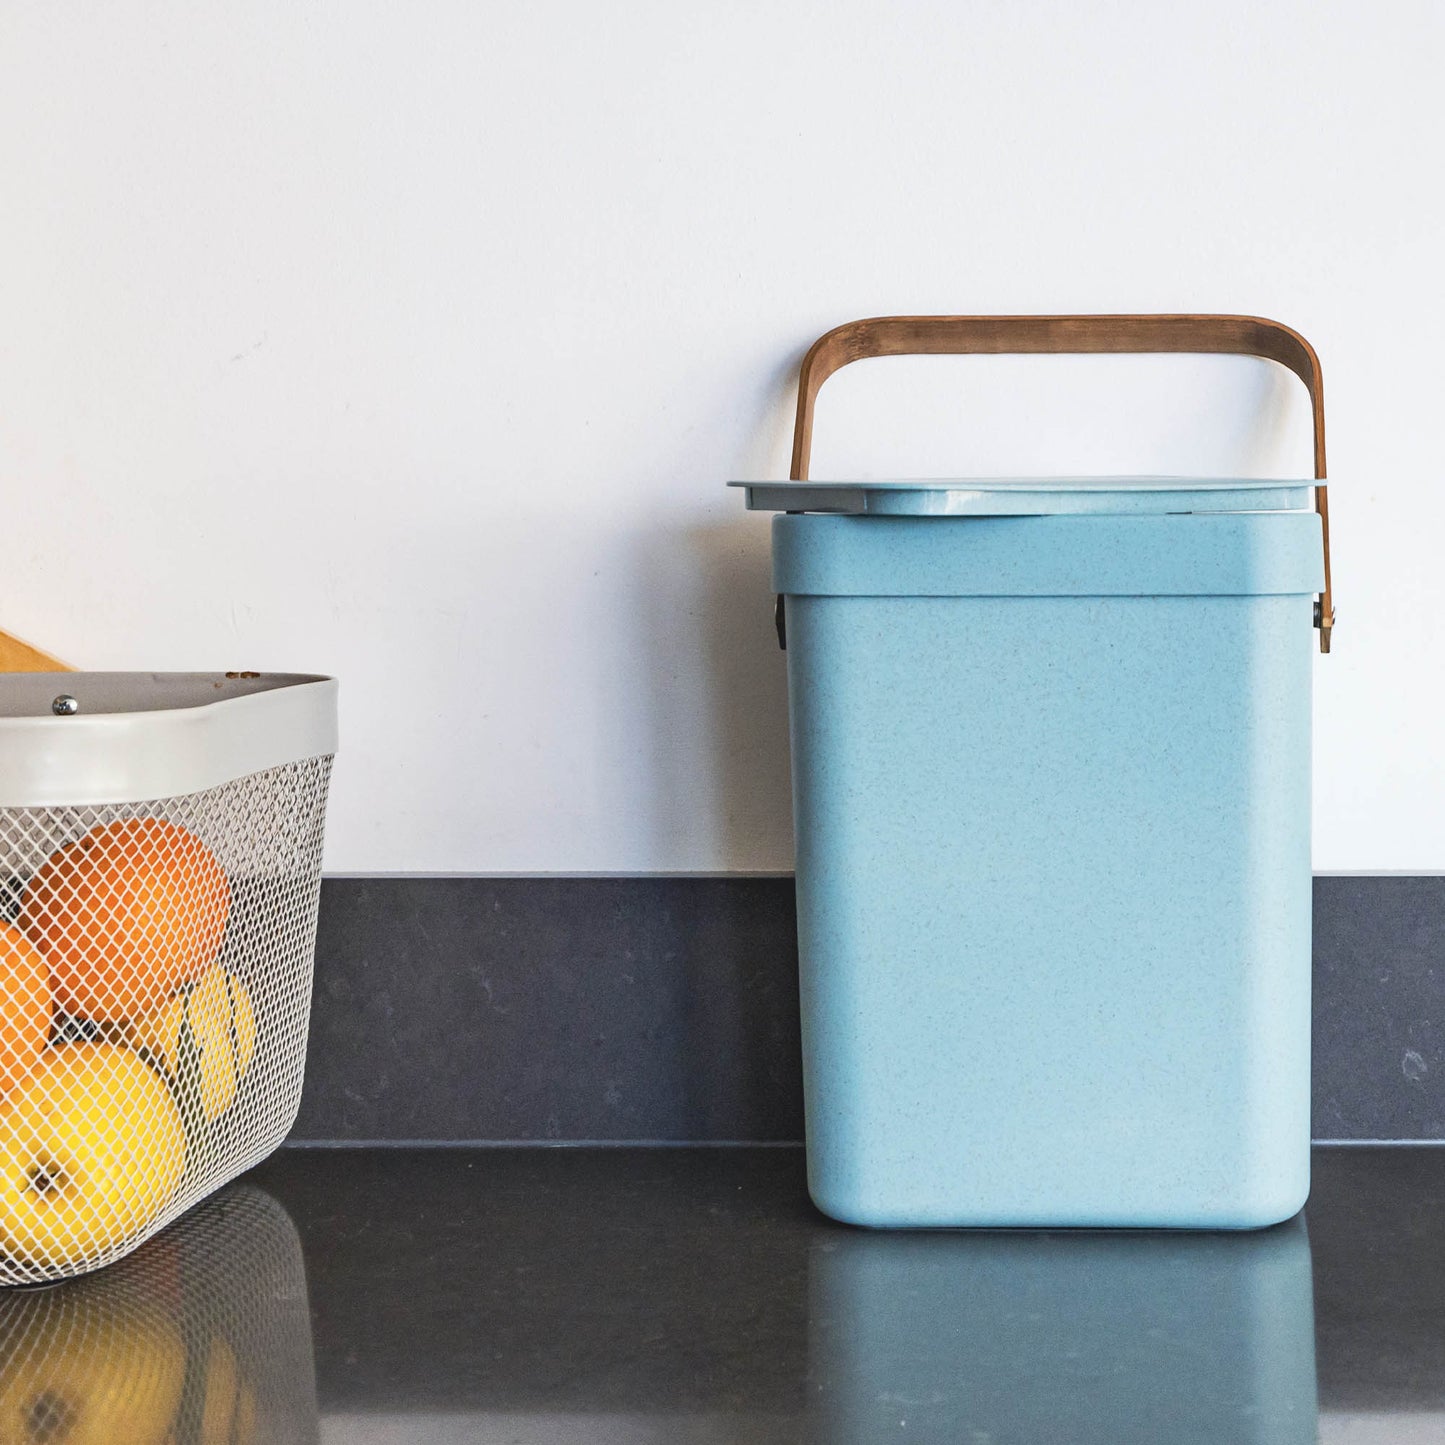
[[413, 342]]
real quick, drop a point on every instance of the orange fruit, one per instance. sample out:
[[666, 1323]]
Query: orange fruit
[[126, 916], [25, 1006]]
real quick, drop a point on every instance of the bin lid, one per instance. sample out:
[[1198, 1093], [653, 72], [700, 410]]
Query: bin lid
[[1032, 496]]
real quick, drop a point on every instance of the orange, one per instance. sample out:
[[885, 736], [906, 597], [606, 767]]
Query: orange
[[25, 1006], [126, 916]]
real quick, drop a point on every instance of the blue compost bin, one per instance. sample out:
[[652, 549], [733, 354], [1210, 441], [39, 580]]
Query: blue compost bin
[[1051, 772]]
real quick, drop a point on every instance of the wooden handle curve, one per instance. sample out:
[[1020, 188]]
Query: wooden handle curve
[[1072, 335]]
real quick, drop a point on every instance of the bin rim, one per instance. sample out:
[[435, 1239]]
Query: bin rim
[[141, 736], [1031, 496]]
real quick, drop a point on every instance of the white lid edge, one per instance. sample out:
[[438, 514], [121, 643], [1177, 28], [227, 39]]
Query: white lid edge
[[1027, 497], [133, 757]]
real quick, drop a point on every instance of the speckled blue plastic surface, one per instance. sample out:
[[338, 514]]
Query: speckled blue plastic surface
[[1052, 793]]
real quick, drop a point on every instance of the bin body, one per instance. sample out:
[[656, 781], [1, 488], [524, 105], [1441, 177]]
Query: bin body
[[1052, 802]]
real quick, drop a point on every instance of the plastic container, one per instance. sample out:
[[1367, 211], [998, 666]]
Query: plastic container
[[160, 867], [1051, 769]]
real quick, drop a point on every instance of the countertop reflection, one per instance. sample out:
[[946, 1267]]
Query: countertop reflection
[[202, 1336], [541, 1297], [1097, 1338]]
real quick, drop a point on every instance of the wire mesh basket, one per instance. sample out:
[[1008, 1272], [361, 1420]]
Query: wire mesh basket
[[160, 869]]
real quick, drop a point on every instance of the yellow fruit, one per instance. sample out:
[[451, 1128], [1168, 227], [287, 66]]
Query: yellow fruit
[[91, 1150], [204, 1038], [228, 1412], [88, 1363]]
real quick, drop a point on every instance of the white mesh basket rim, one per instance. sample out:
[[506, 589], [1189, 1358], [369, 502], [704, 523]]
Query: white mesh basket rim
[[141, 736]]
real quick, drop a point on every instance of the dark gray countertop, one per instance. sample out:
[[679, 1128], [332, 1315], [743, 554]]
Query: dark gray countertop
[[513, 1296]]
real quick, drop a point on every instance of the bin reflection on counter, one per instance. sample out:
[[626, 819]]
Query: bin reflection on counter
[[200, 1337], [1094, 1338]]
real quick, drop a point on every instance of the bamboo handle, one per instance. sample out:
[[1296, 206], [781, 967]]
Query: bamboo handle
[[17, 656], [1060, 335]]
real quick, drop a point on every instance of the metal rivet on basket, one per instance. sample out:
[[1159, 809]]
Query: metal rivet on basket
[[65, 706]]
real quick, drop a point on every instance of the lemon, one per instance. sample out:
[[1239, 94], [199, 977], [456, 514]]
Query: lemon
[[91, 1150], [204, 1038]]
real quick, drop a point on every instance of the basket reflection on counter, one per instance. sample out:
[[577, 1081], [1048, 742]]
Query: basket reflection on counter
[[202, 1336]]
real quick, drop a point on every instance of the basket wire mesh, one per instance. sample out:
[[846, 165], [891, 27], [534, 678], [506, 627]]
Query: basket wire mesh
[[155, 983]]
